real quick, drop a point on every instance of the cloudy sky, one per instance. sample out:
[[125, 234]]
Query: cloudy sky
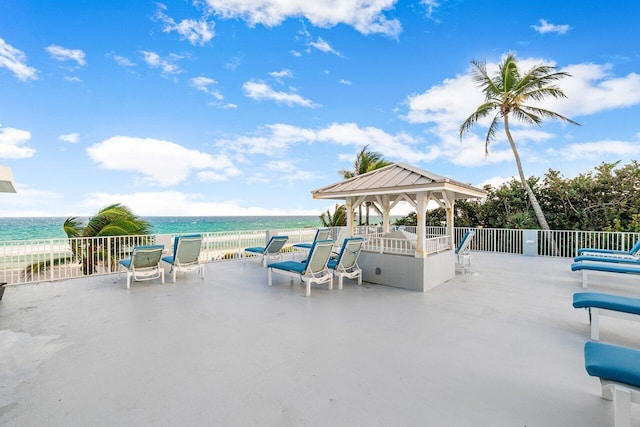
[[243, 107]]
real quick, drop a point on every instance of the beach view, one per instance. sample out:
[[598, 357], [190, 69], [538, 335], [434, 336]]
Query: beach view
[[313, 213]]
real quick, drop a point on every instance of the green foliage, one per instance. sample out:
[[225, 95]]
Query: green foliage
[[114, 220], [337, 219], [605, 199]]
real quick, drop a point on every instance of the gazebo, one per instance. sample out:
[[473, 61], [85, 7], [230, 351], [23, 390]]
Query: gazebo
[[7, 185], [433, 259]]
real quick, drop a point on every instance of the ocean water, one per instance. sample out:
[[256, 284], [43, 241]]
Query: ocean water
[[51, 227]]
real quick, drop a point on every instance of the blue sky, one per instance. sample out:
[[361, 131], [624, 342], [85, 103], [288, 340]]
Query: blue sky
[[243, 107]]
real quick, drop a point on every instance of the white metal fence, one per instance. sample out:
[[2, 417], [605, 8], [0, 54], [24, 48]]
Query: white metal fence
[[54, 259]]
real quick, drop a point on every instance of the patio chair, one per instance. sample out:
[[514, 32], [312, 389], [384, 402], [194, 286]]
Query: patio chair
[[633, 252], [144, 264], [619, 373], [321, 234], [186, 255], [273, 249], [599, 304], [312, 270], [463, 251], [343, 233], [346, 264]]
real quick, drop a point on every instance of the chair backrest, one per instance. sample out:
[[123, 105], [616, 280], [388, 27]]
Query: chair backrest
[[275, 245], [635, 250], [318, 256], [187, 249], [343, 233], [322, 234], [465, 241], [349, 253], [147, 256]]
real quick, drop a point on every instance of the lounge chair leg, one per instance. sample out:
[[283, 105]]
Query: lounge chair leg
[[270, 277], [162, 275], [621, 407], [202, 272], [595, 323], [308, 293]]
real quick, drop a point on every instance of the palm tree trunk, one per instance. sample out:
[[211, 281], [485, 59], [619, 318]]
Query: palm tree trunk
[[367, 214], [532, 197], [544, 225]]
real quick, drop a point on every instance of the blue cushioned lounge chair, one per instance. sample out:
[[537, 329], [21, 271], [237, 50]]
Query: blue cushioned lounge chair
[[186, 255], [603, 267], [619, 371], [312, 270], [273, 249], [633, 252], [321, 234], [606, 305], [346, 264], [144, 264]]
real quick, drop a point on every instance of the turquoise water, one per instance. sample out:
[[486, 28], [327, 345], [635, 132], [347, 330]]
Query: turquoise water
[[51, 227]]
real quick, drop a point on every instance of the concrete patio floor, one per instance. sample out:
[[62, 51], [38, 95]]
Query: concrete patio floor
[[498, 346]]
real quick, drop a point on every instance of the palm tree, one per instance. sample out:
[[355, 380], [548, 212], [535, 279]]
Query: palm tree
[[114, 220], [507, 93], [366, 161], [337, 219]]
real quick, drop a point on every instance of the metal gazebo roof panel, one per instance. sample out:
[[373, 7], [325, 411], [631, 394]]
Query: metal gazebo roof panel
[[396, 178]]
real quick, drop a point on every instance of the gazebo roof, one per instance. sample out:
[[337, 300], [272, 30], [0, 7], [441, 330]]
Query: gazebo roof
[[398, 179], [7, 185]]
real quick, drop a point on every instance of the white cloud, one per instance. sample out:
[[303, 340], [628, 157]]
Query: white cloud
[[325, 47], [495, 181], [431, 6], [261, 91], [31, 202], [73, 79], [158, 162], [122, 61], [277, 139], [15, 60], [204, 84], [282, 73], [174, 203], [70, 137], [345, 82], [13, 144], [366, 16], [444, 106], [167, 64], [547, 27], [62, 54], [198, 32], [592, 89], [597, 150]]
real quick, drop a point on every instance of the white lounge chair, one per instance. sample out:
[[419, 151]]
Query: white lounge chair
[[312, 270], [346, 264], [606, 305], [633, 252], [273, 249], [186, 255], [321, 234], [144, 264], [463, 251]]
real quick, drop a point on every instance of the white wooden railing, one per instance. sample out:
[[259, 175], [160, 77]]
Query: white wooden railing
[[54, 259]]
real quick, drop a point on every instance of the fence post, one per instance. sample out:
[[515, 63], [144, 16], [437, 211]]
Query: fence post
[[530, 242]]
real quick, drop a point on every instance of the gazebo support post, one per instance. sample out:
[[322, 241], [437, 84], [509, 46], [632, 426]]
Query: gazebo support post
[[421, 230], [450, 204]]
